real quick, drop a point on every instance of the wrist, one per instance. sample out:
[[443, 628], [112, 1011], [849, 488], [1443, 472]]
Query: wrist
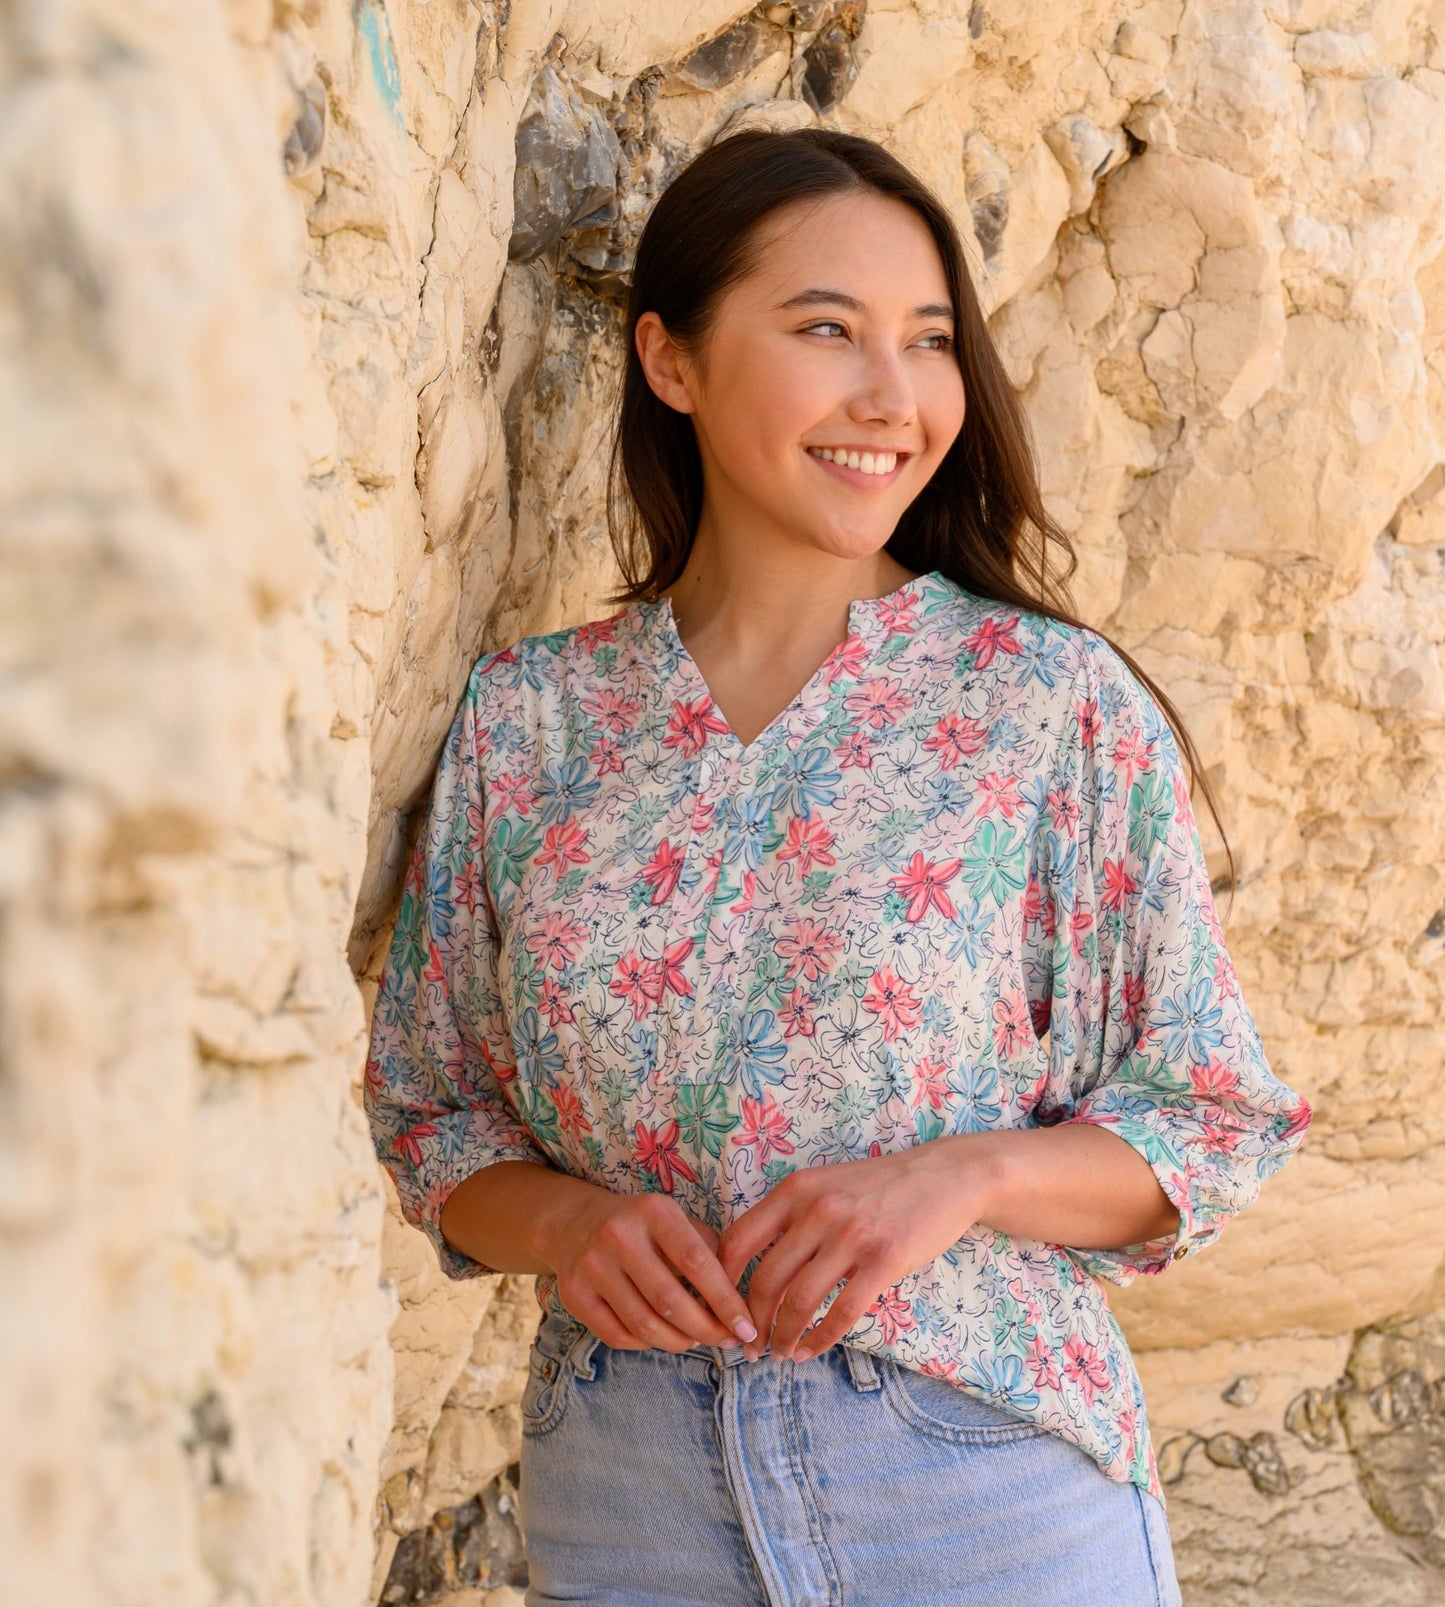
[[560, 1205], [980, 1167]]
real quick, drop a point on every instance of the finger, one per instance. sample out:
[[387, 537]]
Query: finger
[[593, 1312], [775, 1273], [647, 1329], [752, 1232], [800, 1302], [720, 1316], [857, 1296]]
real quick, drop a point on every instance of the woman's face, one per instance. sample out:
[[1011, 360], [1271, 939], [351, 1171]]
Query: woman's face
[[841, 339]]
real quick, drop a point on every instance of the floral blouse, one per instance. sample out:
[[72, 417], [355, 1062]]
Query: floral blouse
[[955, 885]]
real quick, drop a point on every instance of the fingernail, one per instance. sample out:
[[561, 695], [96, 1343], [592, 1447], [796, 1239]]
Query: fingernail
[[744, 1330]]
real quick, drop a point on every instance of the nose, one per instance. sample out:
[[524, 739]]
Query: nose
[[885, 392]]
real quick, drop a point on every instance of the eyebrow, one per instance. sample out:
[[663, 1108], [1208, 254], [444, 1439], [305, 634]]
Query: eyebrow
[[841, 298]]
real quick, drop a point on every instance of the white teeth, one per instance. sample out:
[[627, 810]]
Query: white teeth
[[866, 462]]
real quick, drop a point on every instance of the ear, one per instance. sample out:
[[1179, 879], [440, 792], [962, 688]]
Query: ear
[[666, 369]]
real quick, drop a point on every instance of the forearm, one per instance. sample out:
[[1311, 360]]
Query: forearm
[[1073, 1184], [507, 1214]]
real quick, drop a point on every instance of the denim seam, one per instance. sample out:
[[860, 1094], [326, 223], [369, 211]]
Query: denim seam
[[1139, 1498], [793, 1439], [745, 1498]]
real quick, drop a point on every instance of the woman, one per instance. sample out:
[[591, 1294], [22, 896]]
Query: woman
[[811, 970]]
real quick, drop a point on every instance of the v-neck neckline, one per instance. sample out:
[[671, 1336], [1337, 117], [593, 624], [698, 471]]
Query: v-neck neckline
[[868, 622]]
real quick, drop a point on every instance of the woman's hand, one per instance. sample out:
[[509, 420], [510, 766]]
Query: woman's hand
[[871, 1222], [618, 1258]]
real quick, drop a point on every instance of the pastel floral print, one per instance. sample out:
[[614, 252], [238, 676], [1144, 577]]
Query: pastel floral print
[[957, 885]]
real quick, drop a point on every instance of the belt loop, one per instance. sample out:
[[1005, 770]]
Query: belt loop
[[580, 1356], [862, 1369]]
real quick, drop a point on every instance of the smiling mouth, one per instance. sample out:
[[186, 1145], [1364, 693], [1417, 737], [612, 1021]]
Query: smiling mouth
[[858, 475]]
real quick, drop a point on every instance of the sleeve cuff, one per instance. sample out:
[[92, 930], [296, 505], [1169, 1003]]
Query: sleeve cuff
[[1151, 1256]]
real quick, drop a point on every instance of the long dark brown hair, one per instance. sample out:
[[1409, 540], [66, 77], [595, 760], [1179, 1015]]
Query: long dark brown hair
[[980, 520]]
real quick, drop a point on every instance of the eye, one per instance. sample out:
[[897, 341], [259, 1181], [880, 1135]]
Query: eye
[[827, 324], [946, 339]]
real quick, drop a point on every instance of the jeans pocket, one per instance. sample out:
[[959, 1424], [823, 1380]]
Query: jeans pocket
[[935, 1406], [549, 1373]]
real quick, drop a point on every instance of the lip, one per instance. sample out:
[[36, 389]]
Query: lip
[[856, 477]]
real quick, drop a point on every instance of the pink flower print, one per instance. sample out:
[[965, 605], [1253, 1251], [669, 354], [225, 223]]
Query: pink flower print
[[1133, 997], [1013, 1032], [503, 655], [893, 1001], [848, 658], [993, 636], [1131, 754], [1091, 722], [609, 758], [1085, 1364], [1127, 1421], [670, 968], [1038, 908], [894, 1314], [936, 1367], [571, 1117], [897, 614], [929, 1082], [923, 883], [638, 981], [406, 1144], [956, 737], [878, 702], [656, 1152], [796, 1015], [562, 847], [1299, 1117], [555, 1003], [468, 889], [661, 872], [599, 632], [810, 949], [611, 710], [1215, 1080], [690, 724], [1043, 1364], [765, 1129], [999, 794], [512, 794], [1063, 810], [559, 941], [1226, 978], [1219, 1137], [809, 842], [744, 901], [855, 752], [1118, 884]]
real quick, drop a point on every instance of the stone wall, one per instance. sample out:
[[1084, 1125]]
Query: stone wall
[[310, 327]]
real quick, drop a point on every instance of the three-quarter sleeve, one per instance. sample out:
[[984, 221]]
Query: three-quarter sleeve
[[441, 1062], [1149, 1034]]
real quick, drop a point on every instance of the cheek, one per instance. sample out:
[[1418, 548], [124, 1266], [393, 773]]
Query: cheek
[[942, 407]]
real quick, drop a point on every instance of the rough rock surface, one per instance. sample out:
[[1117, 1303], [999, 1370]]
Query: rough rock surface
[[309, 331]]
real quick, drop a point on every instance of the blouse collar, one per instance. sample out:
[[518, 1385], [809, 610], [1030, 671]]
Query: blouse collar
[[873, 620]]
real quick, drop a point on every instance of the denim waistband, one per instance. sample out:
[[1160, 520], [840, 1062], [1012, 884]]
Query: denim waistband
[[862, 1366]]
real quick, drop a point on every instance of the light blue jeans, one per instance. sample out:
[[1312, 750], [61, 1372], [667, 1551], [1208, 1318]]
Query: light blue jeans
[[656, 1479]]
